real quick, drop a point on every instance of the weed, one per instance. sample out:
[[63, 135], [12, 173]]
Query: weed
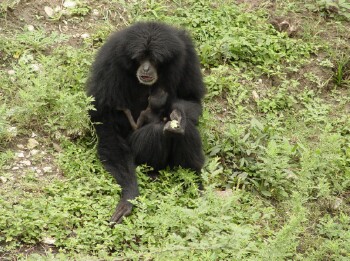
[[8, 4], [331, 8], [50, 93], [6, 132], [342, 72]]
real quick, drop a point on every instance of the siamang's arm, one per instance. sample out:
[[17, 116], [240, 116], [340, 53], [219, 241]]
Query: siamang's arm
[[182, 111], [131, 120], [191, 110], [117, 158]]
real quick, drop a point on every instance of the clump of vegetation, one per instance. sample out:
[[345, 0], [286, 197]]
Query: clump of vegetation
[[331, 8]]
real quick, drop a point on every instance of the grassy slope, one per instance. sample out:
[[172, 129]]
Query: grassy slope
[[276, 131]]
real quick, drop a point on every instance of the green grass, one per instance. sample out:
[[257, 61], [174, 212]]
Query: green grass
[[275, 128]]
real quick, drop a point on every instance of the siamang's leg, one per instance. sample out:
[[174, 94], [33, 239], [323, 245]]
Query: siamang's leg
[[154, 145], [187, 150], [116, 155], [142, 118], [151, 146]]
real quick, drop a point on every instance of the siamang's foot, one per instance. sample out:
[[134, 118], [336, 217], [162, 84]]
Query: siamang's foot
[[122, 210], [175, 125]]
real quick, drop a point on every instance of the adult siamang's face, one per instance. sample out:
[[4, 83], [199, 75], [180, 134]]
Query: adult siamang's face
[[152, 47], [147, 73]]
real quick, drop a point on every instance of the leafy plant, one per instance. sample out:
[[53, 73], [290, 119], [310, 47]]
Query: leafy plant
[[5, 128], [331, 8], [342, 72], [6, 4]]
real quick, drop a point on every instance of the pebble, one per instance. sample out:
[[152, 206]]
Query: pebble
[[69, 4], [337, 203], [20, 154], [47, 169], [30, 28], [26, 162], [32, 143], [49, 11], [34, 152], [255, 96], [85, 35], [49, 240]]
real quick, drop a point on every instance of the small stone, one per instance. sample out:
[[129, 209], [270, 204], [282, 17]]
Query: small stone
[[20, 154], [69, 4], [57, 147], [32, 143], [49, 11], [85, 35], [47, 169], [20, 146], [49, 240], [337, 203], [11, 72], [15, 168], [3, 179], [30, 28], [12, 130], [34, 152], [95, 12], [26, 162], [255, 96]]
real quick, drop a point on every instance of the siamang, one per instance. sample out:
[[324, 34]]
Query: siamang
[[154, 111], [127, 72]]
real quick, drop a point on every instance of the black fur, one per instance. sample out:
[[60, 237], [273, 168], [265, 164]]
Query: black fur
[[156, 110], [114, 85]]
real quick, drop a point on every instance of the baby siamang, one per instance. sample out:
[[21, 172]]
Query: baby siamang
[[132, 64], [154, 111]]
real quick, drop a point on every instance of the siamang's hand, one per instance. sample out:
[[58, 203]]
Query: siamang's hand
[[122, 210], [176, 124]]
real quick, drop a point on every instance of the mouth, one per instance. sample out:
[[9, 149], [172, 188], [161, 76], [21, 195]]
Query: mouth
[[146, 78]]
